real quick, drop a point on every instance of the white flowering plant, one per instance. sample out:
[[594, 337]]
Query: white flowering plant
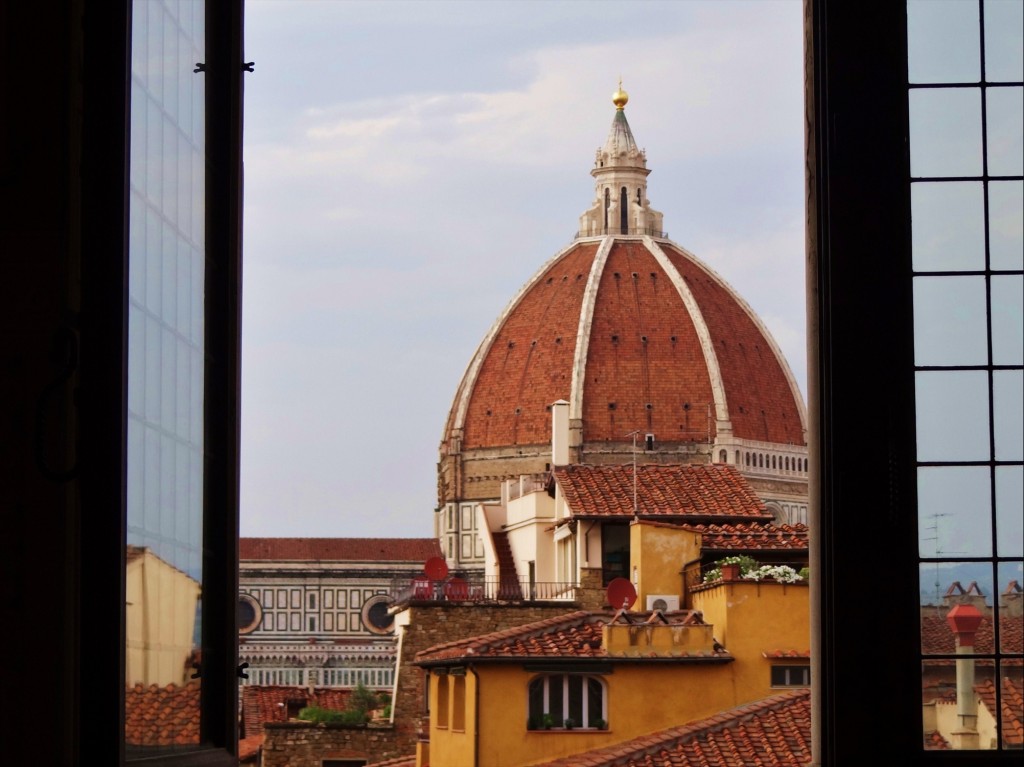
[[715, 573], [780, 573]]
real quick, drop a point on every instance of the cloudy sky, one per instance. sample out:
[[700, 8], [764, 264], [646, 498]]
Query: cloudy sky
[[409, 165]]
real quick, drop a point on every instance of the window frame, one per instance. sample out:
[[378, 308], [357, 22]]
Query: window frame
[[566, 678], [861, 401]]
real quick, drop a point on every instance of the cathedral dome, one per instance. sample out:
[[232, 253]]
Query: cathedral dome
[[641, 338]]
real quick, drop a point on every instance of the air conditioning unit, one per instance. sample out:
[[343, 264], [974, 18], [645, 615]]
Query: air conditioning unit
[[663, 602]]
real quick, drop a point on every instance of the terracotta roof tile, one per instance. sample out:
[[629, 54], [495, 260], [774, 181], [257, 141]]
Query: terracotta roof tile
[[937, 637], [416, 550], [933, 741], [754, 536], [1012, 708], [787, 654], [774, 731], [269, 703], [162, 716], [574, 636], [687, 491]]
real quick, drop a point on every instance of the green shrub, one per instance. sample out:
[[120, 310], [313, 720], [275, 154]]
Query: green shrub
[[319, 715]]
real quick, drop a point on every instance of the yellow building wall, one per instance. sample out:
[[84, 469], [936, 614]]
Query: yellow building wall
[[641, 698], [751, 618], [451, 745], [160, 613], [658, 554]]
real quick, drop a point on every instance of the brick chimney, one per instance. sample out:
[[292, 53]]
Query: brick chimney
[[1010, 600], [964, 620], [560, 433]]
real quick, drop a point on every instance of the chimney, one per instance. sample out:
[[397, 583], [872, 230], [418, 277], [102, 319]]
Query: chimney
[[1010, 604], [560, 433], [964, 620]]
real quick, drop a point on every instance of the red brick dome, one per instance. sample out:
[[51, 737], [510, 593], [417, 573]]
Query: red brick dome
[[637, 334]]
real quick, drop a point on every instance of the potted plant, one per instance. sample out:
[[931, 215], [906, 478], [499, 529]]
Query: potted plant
[[599, 724], [569, 724], [547, 721]]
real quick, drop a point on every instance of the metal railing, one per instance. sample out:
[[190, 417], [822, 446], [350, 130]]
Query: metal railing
[[618, 230], [481, 590]]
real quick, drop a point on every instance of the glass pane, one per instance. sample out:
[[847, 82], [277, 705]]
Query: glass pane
[[1005, 131], [575, 706], [950, 322], [945, 132], [1004, 55], [1011, 622], [1008, 401], [945, 585], [952, 415], [556, 693], [948, 226], [1007, 320], [942, 41], [954, 510], [1006, 224], [1010, 513], [163, 577]]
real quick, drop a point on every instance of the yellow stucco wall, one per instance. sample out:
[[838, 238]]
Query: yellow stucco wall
[[641, 698], [658, 554], [452, 745], [751, 618], [160, 613]]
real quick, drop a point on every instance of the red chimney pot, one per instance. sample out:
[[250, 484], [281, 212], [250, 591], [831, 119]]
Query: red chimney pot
[[964, 620]]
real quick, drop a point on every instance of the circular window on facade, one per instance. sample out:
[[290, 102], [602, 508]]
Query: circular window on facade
[[249, 614], [375, 615]]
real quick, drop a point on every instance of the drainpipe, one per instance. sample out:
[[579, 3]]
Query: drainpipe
[[476, 714], [964, 620]]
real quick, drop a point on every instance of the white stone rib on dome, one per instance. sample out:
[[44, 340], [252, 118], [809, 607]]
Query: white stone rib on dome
[[776, 350], [707, 346], [473, 369], [579, 364]]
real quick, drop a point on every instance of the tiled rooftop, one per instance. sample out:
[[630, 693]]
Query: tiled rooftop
[[752, 537], [787, 654], [688, 491], [414, 550], [775, 731], [937, 637], [1012, 708], [574, 636], [269, 703], [161, 716]]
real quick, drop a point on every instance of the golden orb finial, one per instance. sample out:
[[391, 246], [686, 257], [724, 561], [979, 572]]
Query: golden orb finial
[[620, 97]]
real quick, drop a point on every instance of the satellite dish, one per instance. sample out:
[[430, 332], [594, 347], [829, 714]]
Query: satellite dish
[[436, 568], [621, 594]]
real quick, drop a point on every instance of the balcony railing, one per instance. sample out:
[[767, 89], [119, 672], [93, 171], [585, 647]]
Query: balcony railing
[[619, 230], [481, 590]]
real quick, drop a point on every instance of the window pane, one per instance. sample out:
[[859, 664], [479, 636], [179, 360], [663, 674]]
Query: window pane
[[1010, 514], [950, 321], [1008, 401], [942, 41], [1005, 131], [1007, 320], [944, 585], [954, 511], [1004, 56], [575, 707], [952, 416], [556, 697], [595, 702], [1006, 224], [165, 441], [948, 222], [945, 132]]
